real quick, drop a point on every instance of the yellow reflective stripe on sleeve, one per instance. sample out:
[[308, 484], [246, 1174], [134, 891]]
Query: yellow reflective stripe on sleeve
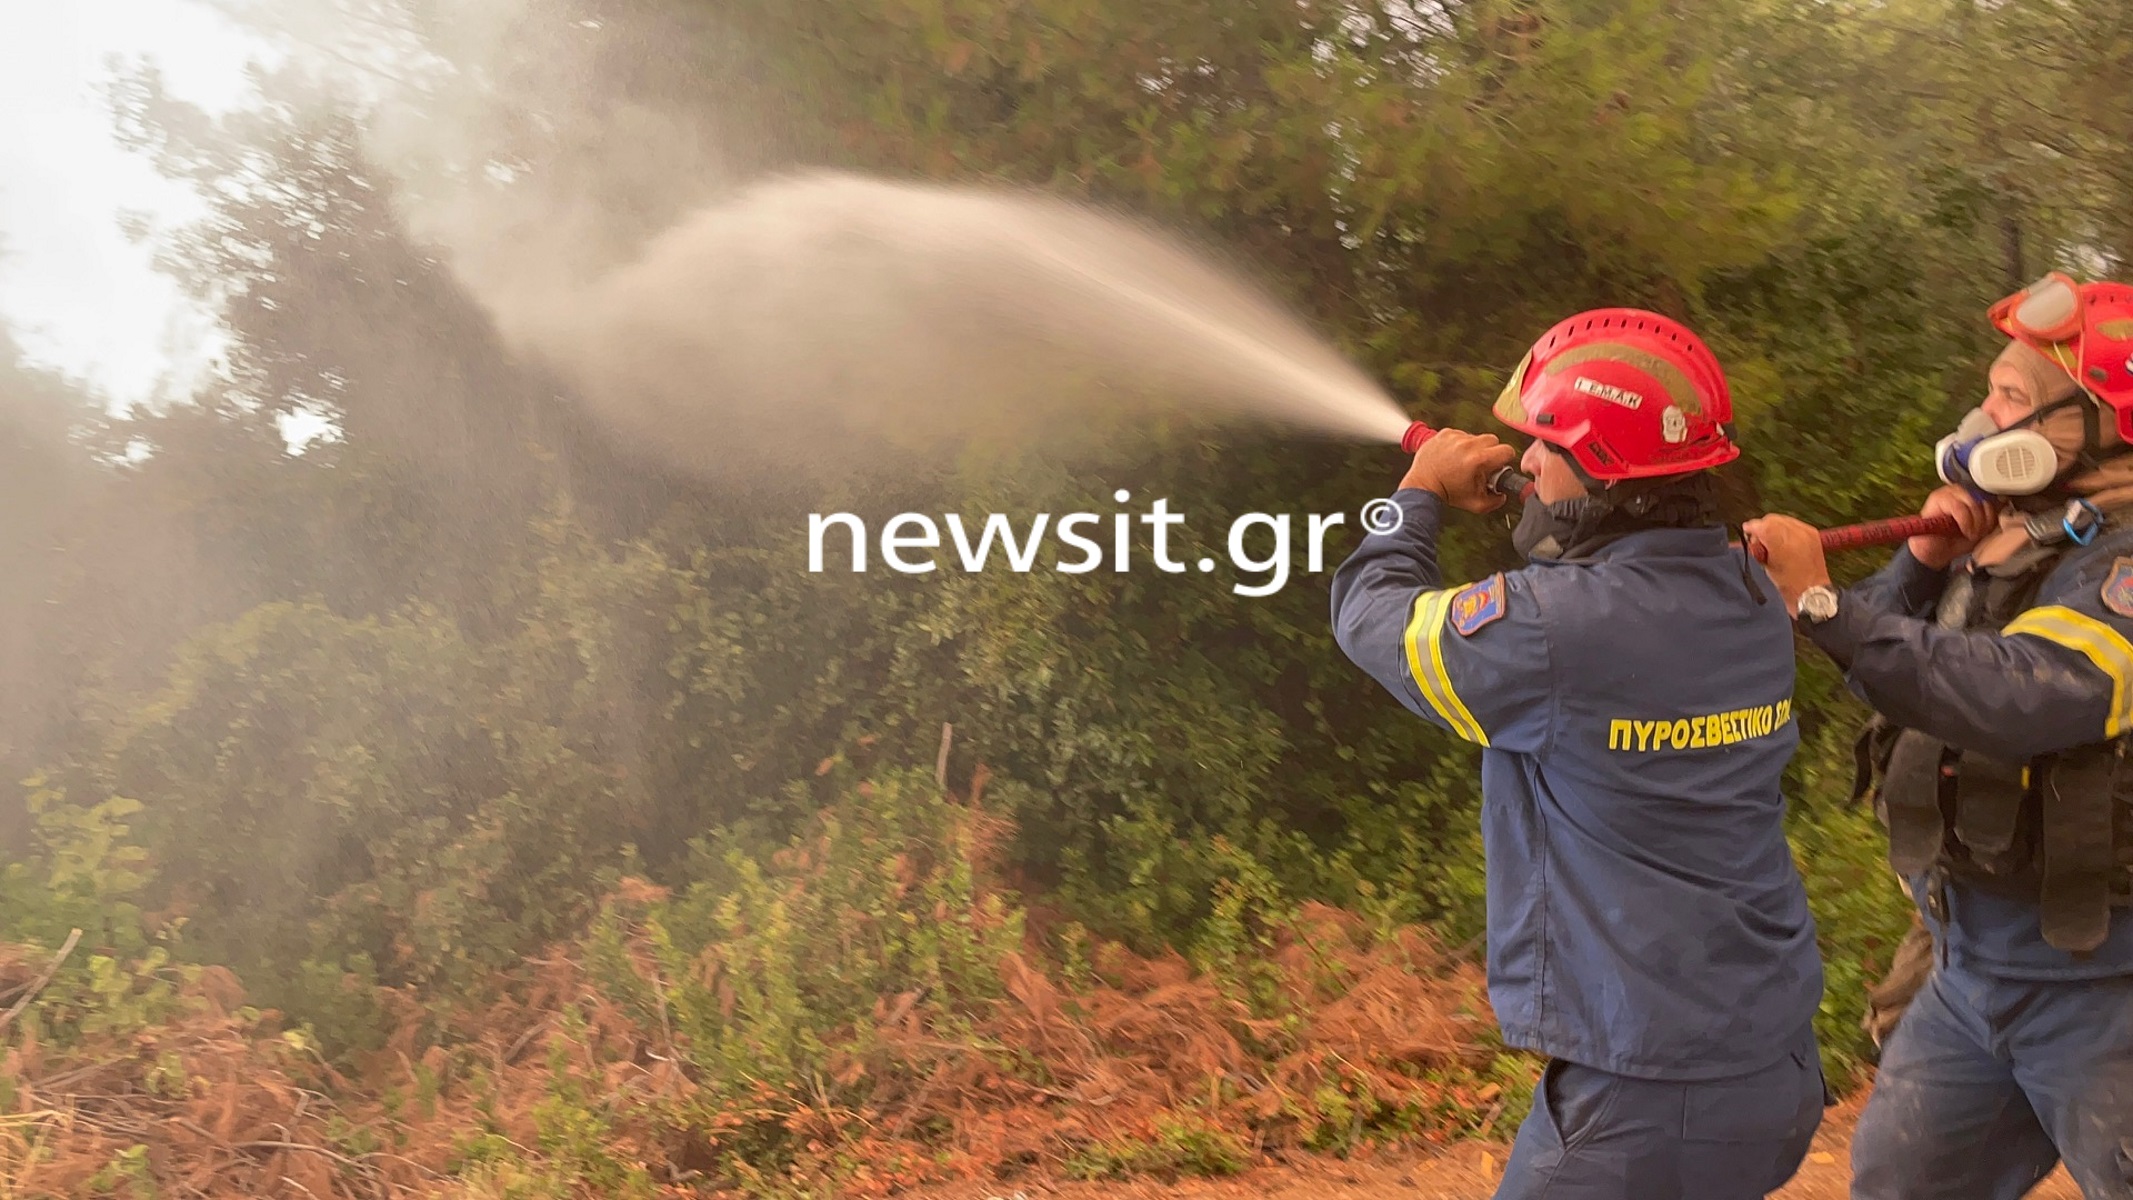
[[2097, 642], [1426, 629], [1436, 653], [1429, 608]]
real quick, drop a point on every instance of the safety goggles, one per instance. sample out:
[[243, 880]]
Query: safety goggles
[[2047, 311]]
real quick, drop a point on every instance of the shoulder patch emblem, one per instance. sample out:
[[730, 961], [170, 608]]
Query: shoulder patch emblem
[[2118, 588], [1478, 604]]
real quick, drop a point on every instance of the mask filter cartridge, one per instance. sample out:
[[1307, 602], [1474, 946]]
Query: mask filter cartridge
[[1995, 462]]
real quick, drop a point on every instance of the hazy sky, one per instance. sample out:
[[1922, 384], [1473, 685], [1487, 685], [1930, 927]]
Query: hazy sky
[[79, 294]]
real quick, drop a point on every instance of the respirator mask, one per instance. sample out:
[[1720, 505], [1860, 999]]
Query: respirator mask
[[1990, 461], [1546, 531]]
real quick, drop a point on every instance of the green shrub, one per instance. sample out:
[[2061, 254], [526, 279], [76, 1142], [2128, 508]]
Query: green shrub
[[1181, 1143], [762, 972]]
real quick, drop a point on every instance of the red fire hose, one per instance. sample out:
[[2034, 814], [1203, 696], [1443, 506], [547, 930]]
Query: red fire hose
[[1888, 532], [1844, 537]]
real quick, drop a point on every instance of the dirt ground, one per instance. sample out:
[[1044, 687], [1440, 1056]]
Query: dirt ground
[[1463, 1172]]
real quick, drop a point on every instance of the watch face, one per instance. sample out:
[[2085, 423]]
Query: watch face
[[1818, 604]]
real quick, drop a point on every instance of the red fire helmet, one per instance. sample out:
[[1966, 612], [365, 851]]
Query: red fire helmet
[[1628, 394], [2087, 328]]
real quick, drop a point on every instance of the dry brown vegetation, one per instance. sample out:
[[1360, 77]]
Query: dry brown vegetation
[[220, 1104], [1147, 1065]]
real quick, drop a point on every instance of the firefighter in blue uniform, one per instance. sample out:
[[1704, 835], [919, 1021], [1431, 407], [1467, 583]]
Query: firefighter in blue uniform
[[2000, 662], [1632, 689]]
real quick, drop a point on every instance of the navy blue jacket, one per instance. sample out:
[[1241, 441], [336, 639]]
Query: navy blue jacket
[[1645, 915], [2060, 675]]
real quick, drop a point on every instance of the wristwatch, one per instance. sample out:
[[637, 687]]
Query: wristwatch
[[1817, 604]]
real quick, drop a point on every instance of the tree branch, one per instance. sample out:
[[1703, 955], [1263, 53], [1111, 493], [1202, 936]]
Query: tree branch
[[8, 1017]]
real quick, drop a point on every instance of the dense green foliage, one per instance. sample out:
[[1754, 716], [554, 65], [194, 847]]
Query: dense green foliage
[[397, 710]]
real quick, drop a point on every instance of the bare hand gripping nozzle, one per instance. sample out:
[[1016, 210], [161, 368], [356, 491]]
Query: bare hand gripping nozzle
[[1505, 482]]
